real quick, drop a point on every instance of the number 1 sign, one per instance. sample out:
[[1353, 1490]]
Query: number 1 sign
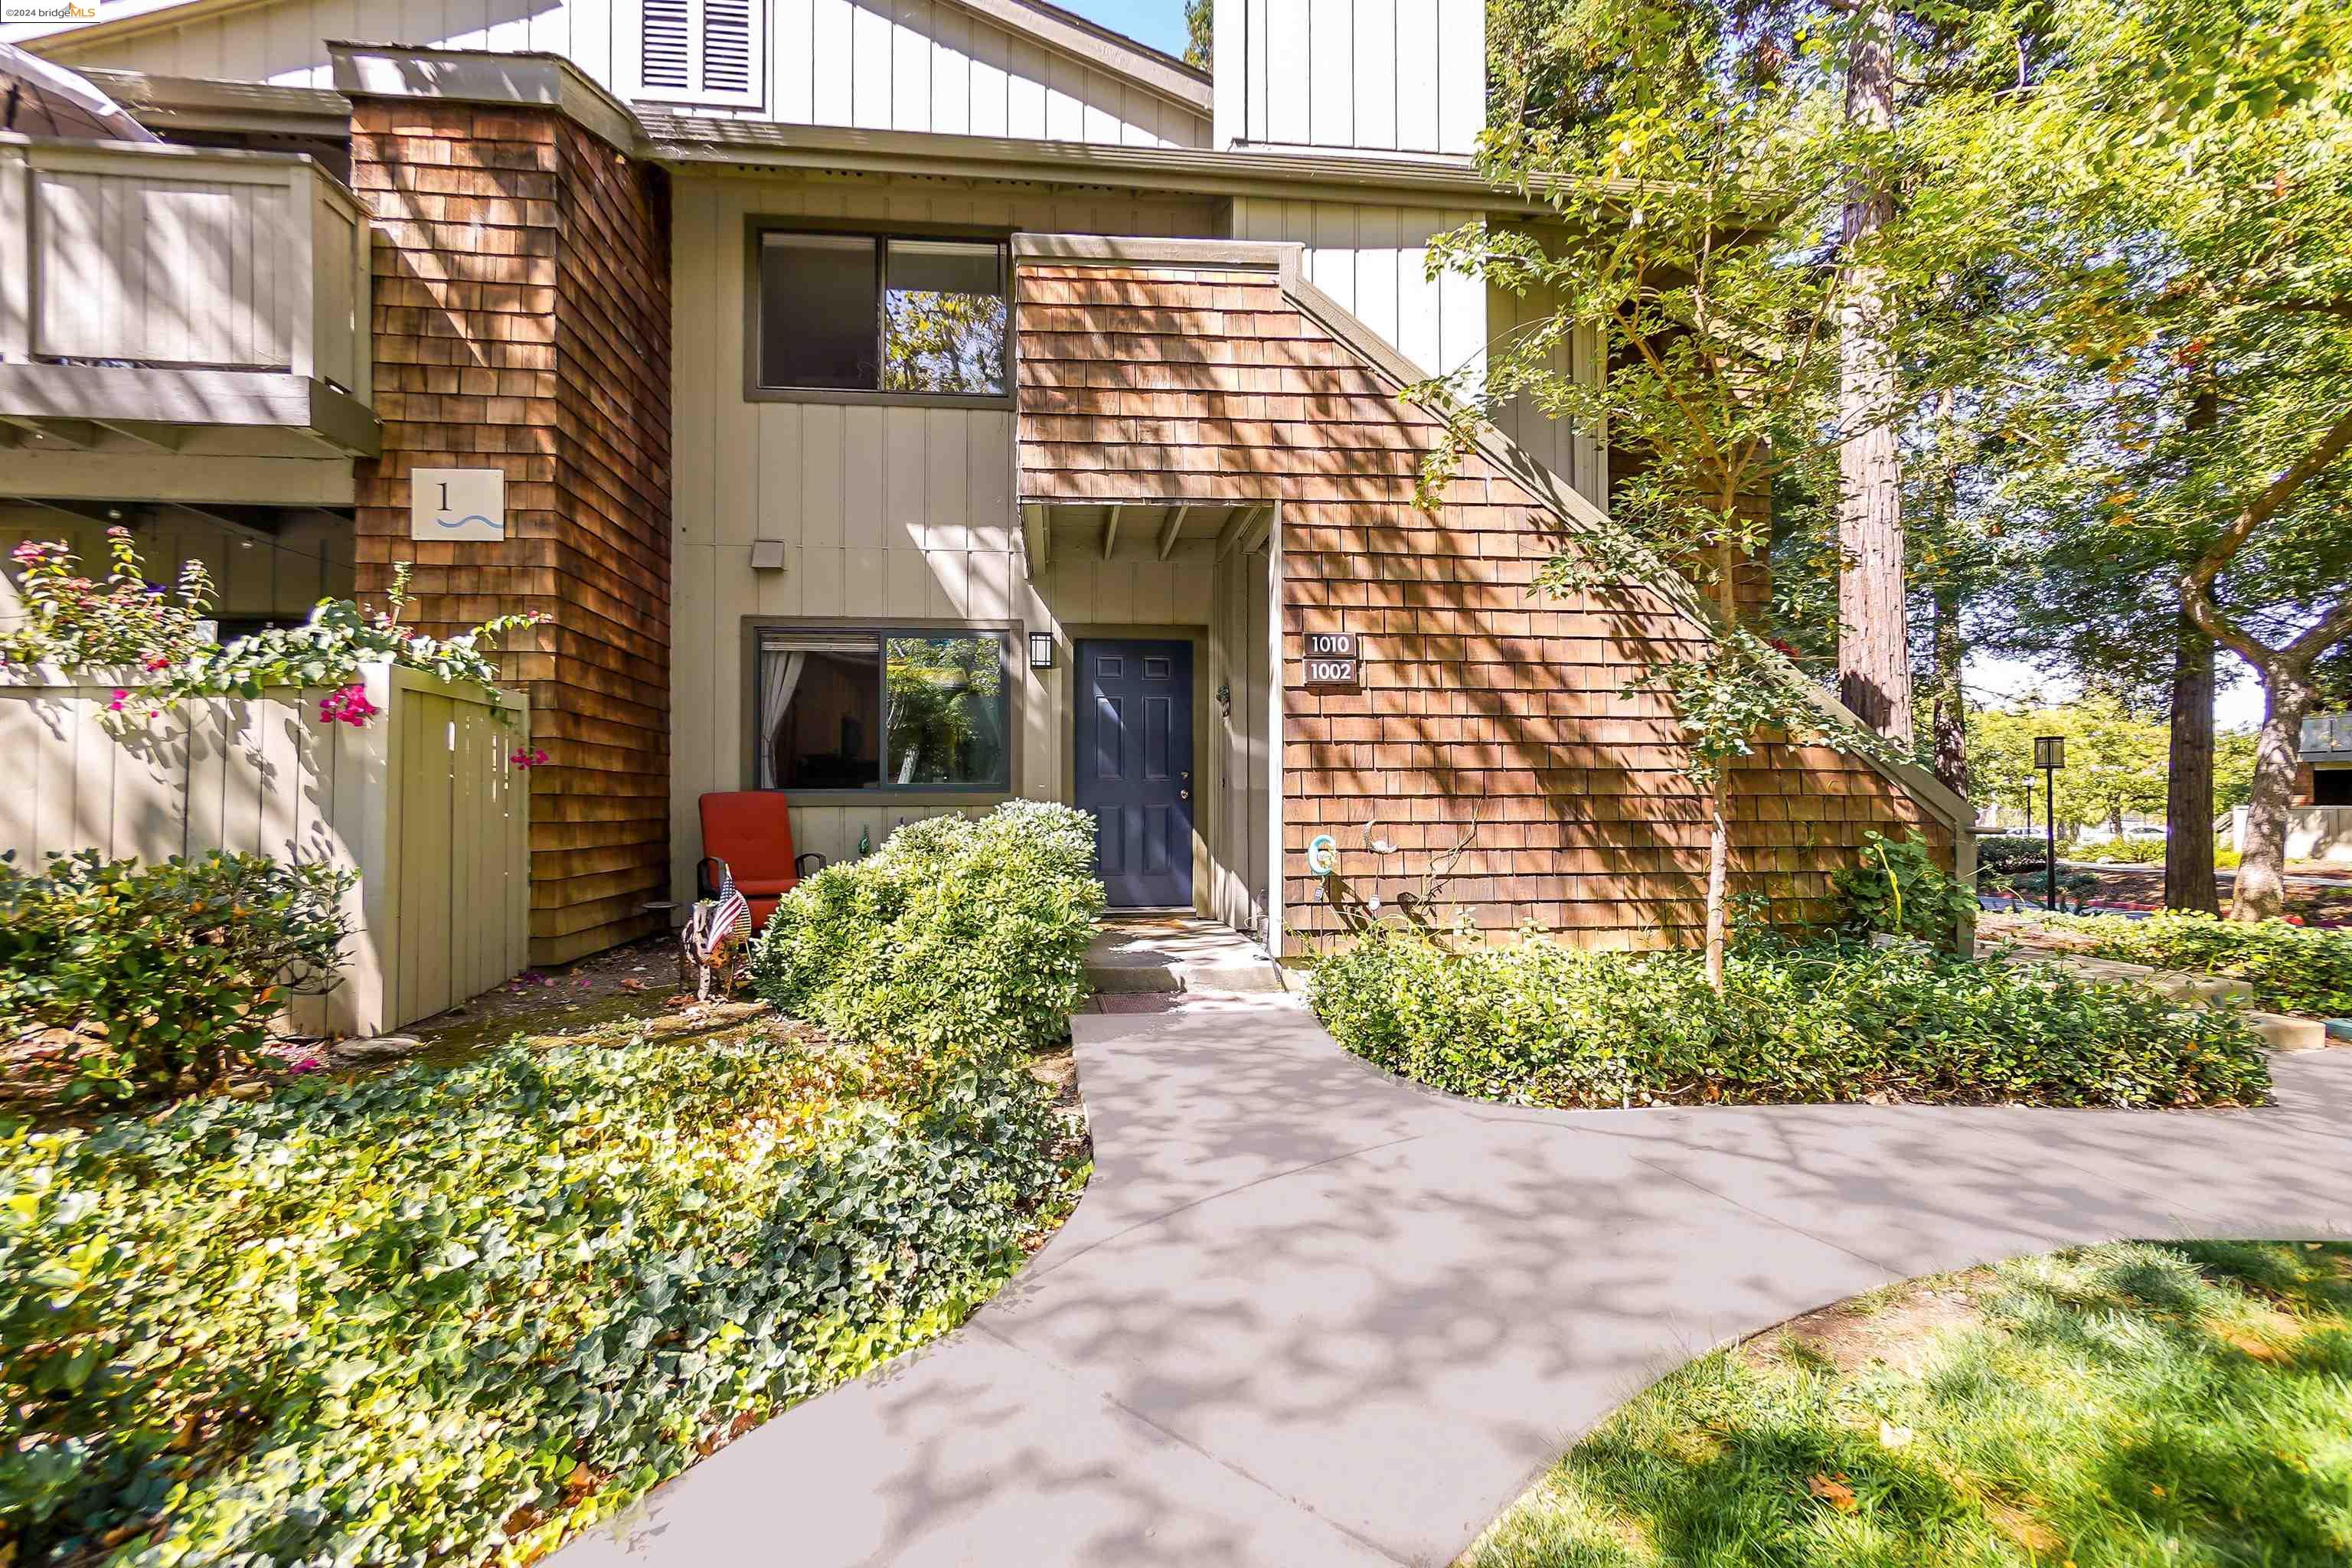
[[468, 504]]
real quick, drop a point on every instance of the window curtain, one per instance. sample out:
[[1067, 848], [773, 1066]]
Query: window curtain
[[780, 676]]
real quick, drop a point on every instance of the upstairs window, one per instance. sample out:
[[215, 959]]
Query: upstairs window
[[915, 317], [703, 51]]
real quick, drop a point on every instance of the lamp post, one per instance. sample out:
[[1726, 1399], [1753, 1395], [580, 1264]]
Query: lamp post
[[2049, 755]]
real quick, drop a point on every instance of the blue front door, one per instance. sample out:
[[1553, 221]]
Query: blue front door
[[1134, 769]]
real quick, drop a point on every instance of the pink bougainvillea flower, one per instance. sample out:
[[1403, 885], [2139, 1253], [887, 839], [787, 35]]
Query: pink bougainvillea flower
[[120, 696], [528, 759], [156, 661], [347, 705]]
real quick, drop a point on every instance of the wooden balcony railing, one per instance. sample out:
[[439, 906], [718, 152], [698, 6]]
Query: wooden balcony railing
[[177, 286]]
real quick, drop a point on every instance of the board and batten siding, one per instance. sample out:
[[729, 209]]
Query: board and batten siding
[[1373, 76], [1241, 662], [1375, 261], [887, 512], [866, 65], [1579, 457]]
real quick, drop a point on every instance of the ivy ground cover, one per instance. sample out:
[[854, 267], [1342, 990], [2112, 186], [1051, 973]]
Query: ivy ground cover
[[1538, 1024], [2293, 968], [2120, 1406], [448, 1315]]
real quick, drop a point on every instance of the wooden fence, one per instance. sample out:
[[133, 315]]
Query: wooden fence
[[423, 802]]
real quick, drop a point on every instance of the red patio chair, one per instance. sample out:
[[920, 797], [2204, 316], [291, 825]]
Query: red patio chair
[[750, 832]]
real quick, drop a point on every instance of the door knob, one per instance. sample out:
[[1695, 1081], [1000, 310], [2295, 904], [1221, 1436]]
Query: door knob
[[1183, 795]]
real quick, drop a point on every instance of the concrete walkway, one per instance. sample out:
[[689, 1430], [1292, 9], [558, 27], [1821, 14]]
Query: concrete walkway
[[1309, 1315]]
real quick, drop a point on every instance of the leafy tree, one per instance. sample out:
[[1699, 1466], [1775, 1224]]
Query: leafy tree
[[2163, 201], [2114, 761], [1694, 193], [942, 692], [935, 340], [1199, 32]]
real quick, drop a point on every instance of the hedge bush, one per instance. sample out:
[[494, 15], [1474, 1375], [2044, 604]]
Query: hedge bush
[[1539, 1024], [2293, 968], [2011, 852], [2116, 851], [957, 934], [447, 1315], [151, 979]]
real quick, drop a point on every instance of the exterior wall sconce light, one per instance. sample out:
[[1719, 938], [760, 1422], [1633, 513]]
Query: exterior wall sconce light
[[1041, 651]]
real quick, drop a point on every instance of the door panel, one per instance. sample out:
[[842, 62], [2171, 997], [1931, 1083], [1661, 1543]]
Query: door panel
[[1135, 774]]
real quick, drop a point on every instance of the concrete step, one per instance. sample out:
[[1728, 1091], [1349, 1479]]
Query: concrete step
[[1177, 954]]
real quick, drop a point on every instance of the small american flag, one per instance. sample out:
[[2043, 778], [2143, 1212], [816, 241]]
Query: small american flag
[[733, 914]]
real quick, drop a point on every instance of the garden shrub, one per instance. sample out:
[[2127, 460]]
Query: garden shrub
[[2011, 852], [73, 621], [449, 1314], [958, 934], [1897, 888], [2293, 968], [1540, 1024], [2116, 851], [148, 979], [67, 618]]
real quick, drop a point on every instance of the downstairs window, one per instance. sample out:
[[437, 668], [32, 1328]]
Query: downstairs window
[[883, 710]]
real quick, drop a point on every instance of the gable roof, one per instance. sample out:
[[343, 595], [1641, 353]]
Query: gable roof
[[1098, 45], [1048, 24], [1568, 509]]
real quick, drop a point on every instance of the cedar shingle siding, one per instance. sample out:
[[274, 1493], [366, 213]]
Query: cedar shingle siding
[[522, 318], [1481, 702]]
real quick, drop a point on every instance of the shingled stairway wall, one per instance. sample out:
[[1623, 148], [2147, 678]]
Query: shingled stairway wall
[[1485, 706], [522, 322]]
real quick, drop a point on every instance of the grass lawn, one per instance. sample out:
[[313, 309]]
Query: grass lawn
[[2178, 1405]]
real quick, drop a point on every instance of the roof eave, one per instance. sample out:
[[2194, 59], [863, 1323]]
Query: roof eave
[[691, 142]]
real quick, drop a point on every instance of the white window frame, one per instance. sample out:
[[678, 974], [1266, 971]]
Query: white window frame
[[697, 15]]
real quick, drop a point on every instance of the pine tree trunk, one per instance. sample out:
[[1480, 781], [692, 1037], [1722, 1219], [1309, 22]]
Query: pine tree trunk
[[2189, 882], [1874, 644], [1951, 714], [2262, 869]]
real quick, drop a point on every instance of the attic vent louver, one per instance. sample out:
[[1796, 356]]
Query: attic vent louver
[[701, 51]]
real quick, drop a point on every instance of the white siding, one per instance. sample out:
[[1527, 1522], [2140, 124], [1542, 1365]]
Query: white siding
[[1374, 75], [285, 43], [870, 65], [884, 511], [1374, 261]]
